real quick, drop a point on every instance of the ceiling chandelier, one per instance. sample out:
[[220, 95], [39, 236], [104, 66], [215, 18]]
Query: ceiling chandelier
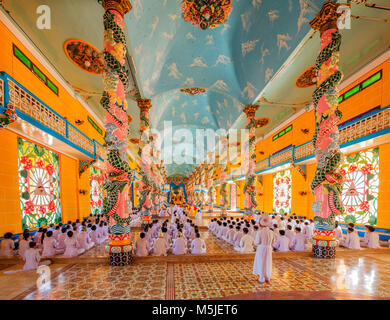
[[206, 13]]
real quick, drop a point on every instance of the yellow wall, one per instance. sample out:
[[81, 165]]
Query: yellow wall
[[10, 217], [64, 103], [69, 188], [384, 190]]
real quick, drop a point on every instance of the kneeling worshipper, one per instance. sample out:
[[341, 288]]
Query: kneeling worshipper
[[160, 246], [299, 241], [71, 246], [32, 258], [50, 245], [282, 242], [262, 265], [372, 238], [352, 240], [338, 235], [84, 240], [179, 245], [24, 244], [142, 246], [198, 245], [95, 235], [7, 246], [246, 243]]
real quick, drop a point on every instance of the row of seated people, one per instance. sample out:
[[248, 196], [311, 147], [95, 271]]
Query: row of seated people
[[290, 234], [71, 240], [162, 238], [244, 236]]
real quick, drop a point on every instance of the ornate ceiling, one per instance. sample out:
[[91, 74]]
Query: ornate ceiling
[[258, 53]]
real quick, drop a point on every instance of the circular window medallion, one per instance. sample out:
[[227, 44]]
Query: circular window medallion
[[307, 79], [261, 122], [84, 55]]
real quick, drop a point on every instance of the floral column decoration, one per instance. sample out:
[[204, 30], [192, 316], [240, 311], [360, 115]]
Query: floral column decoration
[[144, 152], [328, 181], [250, 159], [118, 173], [223, 174]]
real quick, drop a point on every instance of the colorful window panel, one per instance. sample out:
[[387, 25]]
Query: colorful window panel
[[282, 192], [96, 187], [360, 189], [38, 185]]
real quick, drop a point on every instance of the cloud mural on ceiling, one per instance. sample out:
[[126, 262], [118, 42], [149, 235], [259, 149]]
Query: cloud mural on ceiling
[[233, 62]]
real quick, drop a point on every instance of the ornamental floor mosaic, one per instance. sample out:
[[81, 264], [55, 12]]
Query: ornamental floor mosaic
[[355, 276]]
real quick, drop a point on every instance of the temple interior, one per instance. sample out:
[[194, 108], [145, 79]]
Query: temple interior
[[194, 149]]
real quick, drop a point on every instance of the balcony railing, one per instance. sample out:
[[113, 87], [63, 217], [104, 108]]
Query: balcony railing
[[30, 108]]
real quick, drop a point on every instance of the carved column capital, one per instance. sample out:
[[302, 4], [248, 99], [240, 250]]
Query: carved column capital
[[250, 109], [144, 104], [327, 17], [122, 6]]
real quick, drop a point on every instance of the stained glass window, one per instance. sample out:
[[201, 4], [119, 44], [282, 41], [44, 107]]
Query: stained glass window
[[96, 187], [38, 185], [360, 189], [282, 192]]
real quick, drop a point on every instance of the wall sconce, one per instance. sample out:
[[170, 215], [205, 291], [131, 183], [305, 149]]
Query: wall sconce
[[305, 131], [259, 194], [83, 192], [79, 122], [302, 193], [261, 152]]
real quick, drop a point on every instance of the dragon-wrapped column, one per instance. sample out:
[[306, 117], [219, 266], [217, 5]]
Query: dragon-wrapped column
[[327, 182], [249, 163], [118, 174], [144, 152]]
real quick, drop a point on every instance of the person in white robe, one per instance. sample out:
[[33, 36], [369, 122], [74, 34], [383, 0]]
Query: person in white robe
[[282, 243], [299, 241], [372, 240], [230, 234], [338, 235], [95, 236], [38, 236], [50, 245], [198, 217], [198, 246], [353, 240], [290, 234], [160, 246], [307, 231], [24, 244], [142, 246], [266, 220], [33, 258], [71, 246], [237, 236], [246, 243], [179, 245], [262, 265], [283, 223], [7, 246], [61, 239], [84, 240]]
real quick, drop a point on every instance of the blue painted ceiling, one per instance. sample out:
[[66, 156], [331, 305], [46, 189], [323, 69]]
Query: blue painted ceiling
[[233, 62]]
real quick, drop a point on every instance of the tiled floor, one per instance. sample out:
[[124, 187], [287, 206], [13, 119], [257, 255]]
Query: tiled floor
[[352, 276]]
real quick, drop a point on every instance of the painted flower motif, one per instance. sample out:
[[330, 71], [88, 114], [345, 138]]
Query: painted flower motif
[[366, 169], [52, 206], [28, 207], [27, 163], [351, 210], [364, 206], [352, 168], [50, 169], [42, 209], [39, 163], [342, 171]]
